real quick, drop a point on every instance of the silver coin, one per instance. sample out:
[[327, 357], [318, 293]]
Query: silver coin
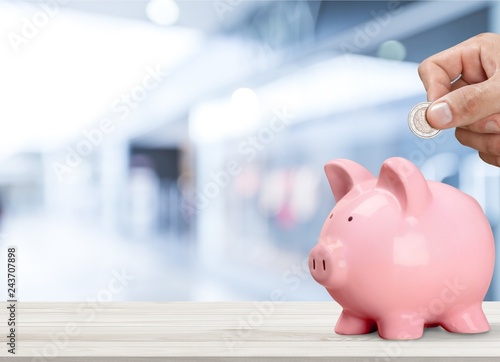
[[417, 121]]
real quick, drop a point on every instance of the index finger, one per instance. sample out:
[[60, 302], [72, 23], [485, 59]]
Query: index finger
[[436, 81], [438, 71]]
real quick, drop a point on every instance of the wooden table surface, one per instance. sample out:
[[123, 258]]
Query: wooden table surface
[[221, 331]]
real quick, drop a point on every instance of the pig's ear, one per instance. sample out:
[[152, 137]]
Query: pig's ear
[[405, 181], [343, 175]]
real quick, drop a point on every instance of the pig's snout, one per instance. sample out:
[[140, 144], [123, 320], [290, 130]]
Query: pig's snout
[[320, 264]]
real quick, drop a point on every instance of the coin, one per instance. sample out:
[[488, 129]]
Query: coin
[[418, 124]]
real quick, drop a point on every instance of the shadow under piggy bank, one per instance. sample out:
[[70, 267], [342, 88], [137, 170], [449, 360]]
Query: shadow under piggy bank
[[400, 253]]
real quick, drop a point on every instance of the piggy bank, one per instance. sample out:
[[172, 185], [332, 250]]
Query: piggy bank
[[400, 253]]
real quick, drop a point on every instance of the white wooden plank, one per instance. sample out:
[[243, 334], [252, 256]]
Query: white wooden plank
[[58, 331]]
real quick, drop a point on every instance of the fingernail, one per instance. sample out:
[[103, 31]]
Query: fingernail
[[440, 114], [492, 126]]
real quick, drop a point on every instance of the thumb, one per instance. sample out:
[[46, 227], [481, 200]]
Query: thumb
[[465, 105]]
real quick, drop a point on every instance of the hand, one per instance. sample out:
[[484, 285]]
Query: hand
[[472, 102]]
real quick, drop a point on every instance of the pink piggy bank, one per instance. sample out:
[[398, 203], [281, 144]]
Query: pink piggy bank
[[400, 253]]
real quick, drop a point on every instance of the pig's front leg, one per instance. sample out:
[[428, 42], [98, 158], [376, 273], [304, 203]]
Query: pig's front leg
[[349, 324], [401, 326]]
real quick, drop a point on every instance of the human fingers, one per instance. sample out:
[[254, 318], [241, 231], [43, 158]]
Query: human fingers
[[459, 83], [488, 145], [464, 60], [466, 105], [473, 95], [492, 160], [489, 124]]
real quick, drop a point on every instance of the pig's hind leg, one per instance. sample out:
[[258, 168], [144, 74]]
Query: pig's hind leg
[[400, 327], [349, 324], [467, 320]]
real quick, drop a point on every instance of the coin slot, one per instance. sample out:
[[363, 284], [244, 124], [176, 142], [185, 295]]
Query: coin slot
[[331, 215]]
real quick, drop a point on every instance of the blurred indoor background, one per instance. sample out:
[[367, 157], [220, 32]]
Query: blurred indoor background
[[176, 148]]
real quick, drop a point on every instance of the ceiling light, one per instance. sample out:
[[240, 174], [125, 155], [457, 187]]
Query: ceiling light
[[245, 100], [163, 12], [392, 50]]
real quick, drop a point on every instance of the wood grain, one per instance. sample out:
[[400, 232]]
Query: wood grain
[[222, 331]]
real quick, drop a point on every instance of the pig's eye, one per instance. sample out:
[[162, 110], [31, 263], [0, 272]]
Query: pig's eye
[[350, 219], [331, 215]]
